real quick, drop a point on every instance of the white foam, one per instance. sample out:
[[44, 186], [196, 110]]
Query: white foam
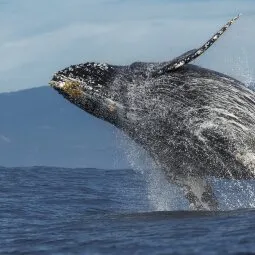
[[162, 195]]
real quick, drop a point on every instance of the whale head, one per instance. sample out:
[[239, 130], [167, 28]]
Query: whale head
[[88, 86]]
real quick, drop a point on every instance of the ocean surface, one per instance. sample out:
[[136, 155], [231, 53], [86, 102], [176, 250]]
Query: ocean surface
[[90, 211]]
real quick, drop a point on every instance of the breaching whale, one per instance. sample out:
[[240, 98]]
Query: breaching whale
[[195, 123]]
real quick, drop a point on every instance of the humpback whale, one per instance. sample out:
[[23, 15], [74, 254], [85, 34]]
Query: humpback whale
[[195, 123]]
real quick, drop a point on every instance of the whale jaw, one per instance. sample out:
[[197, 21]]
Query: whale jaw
[[91, 97]]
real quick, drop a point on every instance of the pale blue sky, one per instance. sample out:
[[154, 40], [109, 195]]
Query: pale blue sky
[[39, 37]]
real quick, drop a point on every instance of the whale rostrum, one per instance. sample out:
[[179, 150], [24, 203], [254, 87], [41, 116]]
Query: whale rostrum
[[195, 123]]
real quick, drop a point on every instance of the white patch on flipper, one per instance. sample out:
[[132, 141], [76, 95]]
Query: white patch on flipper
[[177, 65], [199, 51]]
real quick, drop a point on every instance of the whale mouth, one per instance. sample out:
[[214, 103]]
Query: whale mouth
[[90, 99], [69, 86], [75, 91]]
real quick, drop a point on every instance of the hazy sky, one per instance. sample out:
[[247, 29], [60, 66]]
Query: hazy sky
[[39, 37]]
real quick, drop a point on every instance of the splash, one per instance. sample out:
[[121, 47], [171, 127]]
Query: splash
[[162, 195], [165, 196], [234, 194]]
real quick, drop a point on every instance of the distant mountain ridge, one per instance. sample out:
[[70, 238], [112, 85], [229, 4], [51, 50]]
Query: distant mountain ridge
[[39, 127]]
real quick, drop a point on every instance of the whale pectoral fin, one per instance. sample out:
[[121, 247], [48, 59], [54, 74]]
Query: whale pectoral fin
[[193, 54], [198, 192]]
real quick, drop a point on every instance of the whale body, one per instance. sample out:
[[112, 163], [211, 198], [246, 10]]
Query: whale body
[[195, 123]]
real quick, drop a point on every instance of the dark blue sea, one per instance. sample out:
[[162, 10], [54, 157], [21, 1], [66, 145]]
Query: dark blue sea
[[90, 211]]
